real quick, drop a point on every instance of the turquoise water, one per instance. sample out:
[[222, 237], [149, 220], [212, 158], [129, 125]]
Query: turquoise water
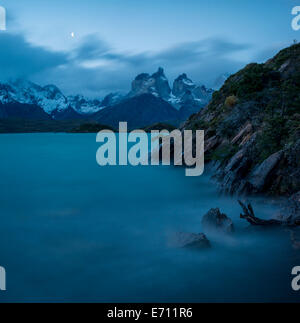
[[74, 231]]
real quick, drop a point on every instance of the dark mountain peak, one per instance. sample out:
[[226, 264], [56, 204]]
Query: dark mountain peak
[[181, 77], [156, 84], [138, 111], [182, 84], [160, 72], [112, 99], [66, 114], [52, 88], [142, 76]]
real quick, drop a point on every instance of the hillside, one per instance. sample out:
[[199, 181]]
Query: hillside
[[22, 111], [139, 111], [252, 127]]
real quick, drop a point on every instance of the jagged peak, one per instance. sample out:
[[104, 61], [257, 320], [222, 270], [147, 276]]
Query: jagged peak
[[160, 72], [181, 77], [51, 88], [142, 76]]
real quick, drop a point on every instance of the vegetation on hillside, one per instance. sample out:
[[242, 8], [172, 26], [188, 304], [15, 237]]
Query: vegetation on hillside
[[262, 97]]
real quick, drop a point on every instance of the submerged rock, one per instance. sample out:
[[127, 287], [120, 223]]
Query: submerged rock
[[192, 240], [217, 221]]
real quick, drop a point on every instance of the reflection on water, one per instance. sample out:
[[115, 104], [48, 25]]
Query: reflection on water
[[73, 231]]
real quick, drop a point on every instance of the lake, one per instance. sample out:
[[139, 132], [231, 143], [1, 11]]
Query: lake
[[74, 231]]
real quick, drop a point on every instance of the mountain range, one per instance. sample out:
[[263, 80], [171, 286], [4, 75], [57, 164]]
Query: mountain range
[[150, 100]]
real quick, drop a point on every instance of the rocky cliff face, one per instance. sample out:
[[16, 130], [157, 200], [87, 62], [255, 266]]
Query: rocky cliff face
[[187, 97], [182, 84], [252, 127], [156, 84]]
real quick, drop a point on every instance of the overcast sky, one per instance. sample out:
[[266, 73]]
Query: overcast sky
[[114, 40]]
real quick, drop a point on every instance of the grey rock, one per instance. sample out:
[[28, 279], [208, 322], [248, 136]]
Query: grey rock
[[192, 240], [235, 160], [259, 176], [211, 143], [232, 177], [182, 84], [156, 84], [244, 131], [290, 212], [214, 220]]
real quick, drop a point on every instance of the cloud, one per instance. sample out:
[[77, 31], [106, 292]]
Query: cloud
[[102, 69], [18, 58], [91, 48], [263, 55], [95, 69]]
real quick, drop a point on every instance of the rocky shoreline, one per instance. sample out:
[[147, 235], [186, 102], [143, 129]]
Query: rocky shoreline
[[252, 136], [214, 222]]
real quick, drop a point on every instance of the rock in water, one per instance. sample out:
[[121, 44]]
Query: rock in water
[[214, 220], [191, 240]]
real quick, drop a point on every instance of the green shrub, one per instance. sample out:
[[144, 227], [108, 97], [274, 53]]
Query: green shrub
[[272, 138], [224, 152]]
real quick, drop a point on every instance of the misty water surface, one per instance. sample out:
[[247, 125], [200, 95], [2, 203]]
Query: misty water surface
[[74, 231]]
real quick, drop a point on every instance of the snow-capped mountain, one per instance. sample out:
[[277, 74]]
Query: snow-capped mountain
[[184, 90], [49, 97], [86, 106], [83, 105], [112, 99], [181, 85]]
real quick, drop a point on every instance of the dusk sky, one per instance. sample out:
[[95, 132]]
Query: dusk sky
[[114, 40]]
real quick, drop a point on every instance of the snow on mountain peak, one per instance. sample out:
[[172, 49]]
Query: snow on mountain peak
[[49, 98]]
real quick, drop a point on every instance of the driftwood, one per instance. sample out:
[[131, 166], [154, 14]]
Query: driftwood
[[253, 220]]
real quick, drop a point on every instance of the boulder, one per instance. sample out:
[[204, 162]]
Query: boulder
[[211, 143], [290, 212], [191, 240], [245, 131], [259, 176], [214, 220], [232, 177]]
